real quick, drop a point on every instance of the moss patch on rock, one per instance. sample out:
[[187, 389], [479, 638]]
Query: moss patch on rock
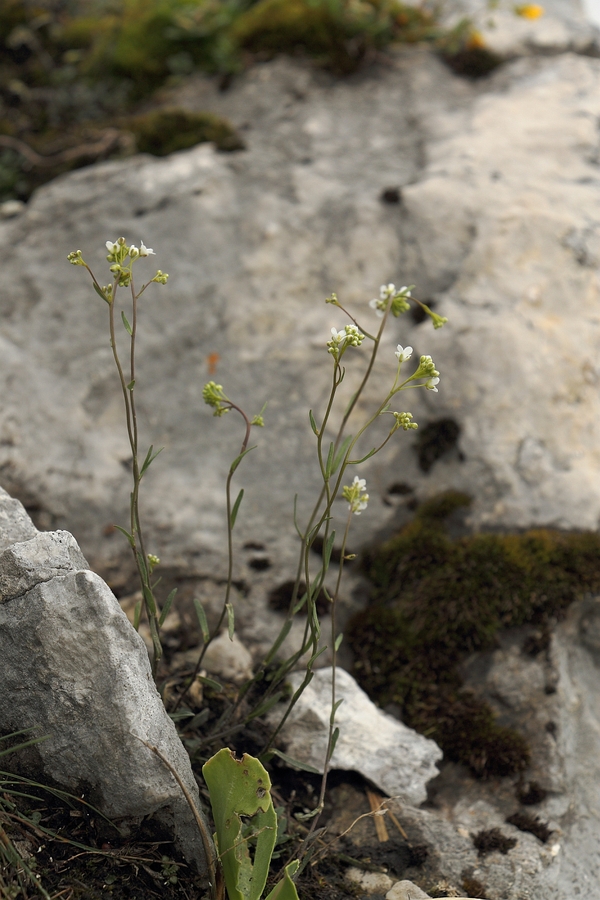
[[337, 34], [167, 130], [436, 599]]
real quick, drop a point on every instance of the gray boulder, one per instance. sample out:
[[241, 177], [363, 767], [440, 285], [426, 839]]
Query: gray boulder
[[72, 668]]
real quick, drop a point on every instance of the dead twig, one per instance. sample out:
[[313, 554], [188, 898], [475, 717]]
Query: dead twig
[[109, 140]]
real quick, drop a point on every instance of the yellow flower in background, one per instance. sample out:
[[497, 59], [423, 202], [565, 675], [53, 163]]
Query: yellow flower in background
[[529, 11], [475, 41]]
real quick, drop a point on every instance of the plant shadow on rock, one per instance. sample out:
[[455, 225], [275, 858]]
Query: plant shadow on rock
[[437, 599]]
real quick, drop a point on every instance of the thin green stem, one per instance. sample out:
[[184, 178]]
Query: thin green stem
[[228, 587]]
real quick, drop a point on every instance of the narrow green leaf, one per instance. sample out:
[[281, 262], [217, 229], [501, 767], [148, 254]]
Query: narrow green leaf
[[127, 535], [98, 291], [137, 614], [265, 706], [341, 453], [239, 458], [166, 607], [236, 506], [313, 424], [299, 604], [23, 744], [277, 644], [298, 532], [199, 719], [210, 682], [338, 642], [315, 657], [150, 601], [356, 462], [336, 706], [295, 763], [126, 324], [327, 550], [150, 457], [334, 740], [350, 403], [131, 385], [181, 714], [230, 620], [201, 615], [329, 462]]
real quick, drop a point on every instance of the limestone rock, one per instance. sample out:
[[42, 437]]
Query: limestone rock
[[395, 758], [73, 668], [507, 248]]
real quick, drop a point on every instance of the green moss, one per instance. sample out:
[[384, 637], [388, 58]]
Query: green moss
[[436, 599], [338, 33], [167, 130]]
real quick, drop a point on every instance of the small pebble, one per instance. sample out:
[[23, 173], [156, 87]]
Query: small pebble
[[370, 882], [11, 208]]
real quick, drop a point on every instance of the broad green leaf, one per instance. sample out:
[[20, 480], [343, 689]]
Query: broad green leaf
[[166, 607], [242, 811], [286, 889], [201, 615], [236, 506], [126, 324]]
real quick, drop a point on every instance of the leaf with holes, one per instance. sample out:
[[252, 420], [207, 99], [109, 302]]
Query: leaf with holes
[[244, 818]]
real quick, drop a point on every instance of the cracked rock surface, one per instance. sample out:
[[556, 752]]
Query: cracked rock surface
[[73, 668]]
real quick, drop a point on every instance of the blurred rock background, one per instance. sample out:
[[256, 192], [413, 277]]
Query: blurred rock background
[[384, 143]]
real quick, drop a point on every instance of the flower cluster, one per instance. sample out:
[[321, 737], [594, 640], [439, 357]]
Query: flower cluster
[[356, 495], [213, 395], [118, 251], [426, 369], [399, 299], [404, 421], [349, 336], [76, 259]]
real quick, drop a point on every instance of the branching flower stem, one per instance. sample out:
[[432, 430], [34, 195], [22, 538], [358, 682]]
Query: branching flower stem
[[136, 536]]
